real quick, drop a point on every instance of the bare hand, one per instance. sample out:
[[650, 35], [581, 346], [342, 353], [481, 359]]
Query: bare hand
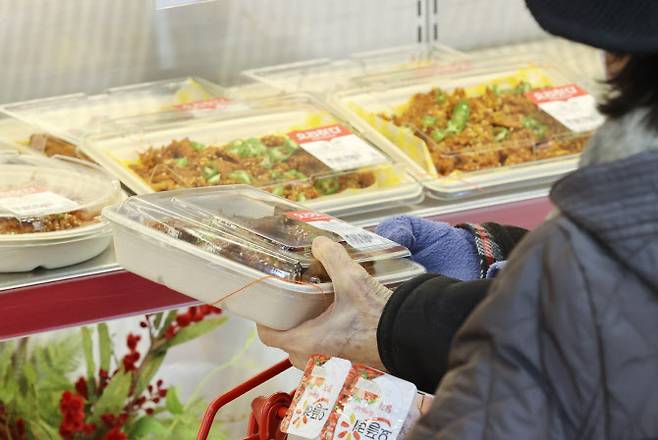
[[348, 328]]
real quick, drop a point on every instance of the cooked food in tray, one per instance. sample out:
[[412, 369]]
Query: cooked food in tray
[[262, 259], [48, 223], [499, 127], [54, 146], [273, 162]]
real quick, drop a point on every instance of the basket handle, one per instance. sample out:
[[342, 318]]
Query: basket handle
[[231, 395]]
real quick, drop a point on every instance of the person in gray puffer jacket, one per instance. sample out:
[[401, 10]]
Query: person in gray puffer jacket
[[563, 343]]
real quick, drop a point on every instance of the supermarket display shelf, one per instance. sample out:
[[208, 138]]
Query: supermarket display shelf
[[99, 289]]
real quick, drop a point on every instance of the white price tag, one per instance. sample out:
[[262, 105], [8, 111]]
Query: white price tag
[[356, 237], [570, 105], [35, 201], [337, 147]]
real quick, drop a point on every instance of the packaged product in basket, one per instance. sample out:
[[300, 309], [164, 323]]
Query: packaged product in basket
[[370, 405], [316, 396]]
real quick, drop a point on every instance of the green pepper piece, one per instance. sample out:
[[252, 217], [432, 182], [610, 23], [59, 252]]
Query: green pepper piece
[[500, 133], [241, 176], [250, 148], [290, 144], [301, 197], [214, 180], [440, 96], [279, 154], [276, 175], [533, 124], [197, 146], [182, 161], [460, 115], [278, 190], [294, 175], [209, 172], [266, 163], [327, 185], [428, 121], [438, 134], [522, 87]]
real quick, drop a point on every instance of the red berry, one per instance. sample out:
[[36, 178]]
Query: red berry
[[108, 419], [132, 340], [162, 392], [156, 400], [81, 387], [149, 411], [159, 383], [170, 332], [183, 320]]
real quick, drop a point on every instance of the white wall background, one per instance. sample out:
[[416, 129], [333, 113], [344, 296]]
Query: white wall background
[[52, 47]]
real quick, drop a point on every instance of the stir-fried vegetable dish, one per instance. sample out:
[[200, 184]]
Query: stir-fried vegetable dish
[[497, 128], [274, 163]]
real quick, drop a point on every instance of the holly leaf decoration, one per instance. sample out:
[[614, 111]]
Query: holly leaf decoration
[[114, 395], [173, 403], [147, 426], [104, 346], [88, 351], [194, 331], [148, 370]]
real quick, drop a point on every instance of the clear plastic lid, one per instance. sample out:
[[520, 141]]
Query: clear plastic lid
[[490, 114], [325, 75], [52, 197], [71, 117], [292, 146], [257, 229]]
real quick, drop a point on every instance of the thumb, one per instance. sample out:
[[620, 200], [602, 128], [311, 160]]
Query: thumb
[[335, 260]]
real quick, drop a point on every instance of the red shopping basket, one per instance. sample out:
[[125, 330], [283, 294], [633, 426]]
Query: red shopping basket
[[267, 412]]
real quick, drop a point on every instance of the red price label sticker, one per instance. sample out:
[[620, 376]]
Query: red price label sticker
[[569, 104], [308, 216], [337, 147], [206, 104]]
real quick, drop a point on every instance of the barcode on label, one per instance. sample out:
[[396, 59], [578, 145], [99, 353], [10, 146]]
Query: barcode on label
[[359, 239]]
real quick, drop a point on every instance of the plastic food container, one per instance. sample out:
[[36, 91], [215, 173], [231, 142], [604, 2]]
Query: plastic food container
[[241, 247], [71, 117], [50, 211], [326, 75], [484, 126], [45, 199], [291, 146]]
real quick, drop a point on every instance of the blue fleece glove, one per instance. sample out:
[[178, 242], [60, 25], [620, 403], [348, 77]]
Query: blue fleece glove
[[438, 246]]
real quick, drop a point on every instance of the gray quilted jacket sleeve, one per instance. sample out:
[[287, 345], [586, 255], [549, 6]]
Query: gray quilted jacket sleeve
[[521, 366]]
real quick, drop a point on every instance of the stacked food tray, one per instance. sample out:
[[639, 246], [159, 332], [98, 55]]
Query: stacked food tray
[[57, 125], [292, 146], [244, 248], [50, 211], [481, 126], [326, 75]]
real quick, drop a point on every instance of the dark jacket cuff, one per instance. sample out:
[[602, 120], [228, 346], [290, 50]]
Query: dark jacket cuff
[[386, 327]]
